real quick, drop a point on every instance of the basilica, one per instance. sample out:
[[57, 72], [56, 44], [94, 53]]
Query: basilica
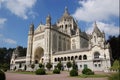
[[64, 41]]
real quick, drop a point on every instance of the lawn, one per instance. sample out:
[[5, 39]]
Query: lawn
[[92, 76]]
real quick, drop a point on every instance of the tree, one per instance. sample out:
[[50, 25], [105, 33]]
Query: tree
[[115, 65], [114, 45], [32, 66], [41, 65], [69, 65], [59, 66], [74, 65], [49, 66]]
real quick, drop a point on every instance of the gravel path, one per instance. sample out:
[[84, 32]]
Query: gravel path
[[62, 76]]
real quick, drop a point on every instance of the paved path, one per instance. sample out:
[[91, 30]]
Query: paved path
[[62, 76]]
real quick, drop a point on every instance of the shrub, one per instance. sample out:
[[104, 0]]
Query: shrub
[[74, 65], [69, 65], [40, 71], [115, 76], [87, 71], [2, 75], [49, 66], [56, 71], [59, 66], [41, 65], [73, 72]]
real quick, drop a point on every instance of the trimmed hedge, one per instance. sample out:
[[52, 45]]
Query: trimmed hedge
[[73, 72], [87, 71], [40, 71], [56, 71], [2, 75]]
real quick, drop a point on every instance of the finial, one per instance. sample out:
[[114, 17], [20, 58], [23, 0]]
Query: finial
[[66, 9]]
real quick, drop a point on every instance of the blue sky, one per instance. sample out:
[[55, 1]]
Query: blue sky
[[16, 16]]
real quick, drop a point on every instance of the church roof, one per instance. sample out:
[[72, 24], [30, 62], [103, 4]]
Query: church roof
[[84, 35], [66, 15], [97, 31]]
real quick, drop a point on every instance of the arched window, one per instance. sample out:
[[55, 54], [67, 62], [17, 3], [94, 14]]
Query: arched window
[[66, 26], [54, 42], [58, 59], [96, 55], [55, 59], [80, 57], [95, 39], [76, 57], [73, 44], [84, 57], [60, 46], [68, 58], [72, 57], [61, 58], [65, 58]]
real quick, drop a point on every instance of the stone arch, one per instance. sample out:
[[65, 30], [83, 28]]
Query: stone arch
[[96, 55], [84, 57], [39, 55]]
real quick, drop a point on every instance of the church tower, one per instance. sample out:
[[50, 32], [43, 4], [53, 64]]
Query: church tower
[[30, 43]]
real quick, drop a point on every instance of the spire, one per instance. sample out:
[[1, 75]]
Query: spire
[[66, 11], [96, 29], [48, 20]]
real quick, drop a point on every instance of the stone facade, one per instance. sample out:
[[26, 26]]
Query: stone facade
[[64, 41]]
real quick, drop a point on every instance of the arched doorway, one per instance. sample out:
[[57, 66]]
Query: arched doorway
[[39, 55]]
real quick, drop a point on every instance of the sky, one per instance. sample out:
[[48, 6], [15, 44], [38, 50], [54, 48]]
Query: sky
[[17, 15]]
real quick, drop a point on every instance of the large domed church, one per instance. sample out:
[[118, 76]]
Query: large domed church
[[64, 41]]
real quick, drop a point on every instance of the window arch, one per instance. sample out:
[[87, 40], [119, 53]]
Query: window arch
[[55, 59], [61, 58], [80, 57], [72, 58], [68, 58], [58, 59], [76, 57], [96, 55], [65, 58], [84, 57]]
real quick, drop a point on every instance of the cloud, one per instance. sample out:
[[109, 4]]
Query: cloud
[[109, 29], [92, 10], [10, 41], [2, 22], [5, 41], [20, 8]]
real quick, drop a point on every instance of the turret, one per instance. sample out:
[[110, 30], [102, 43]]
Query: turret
[[31, 31]]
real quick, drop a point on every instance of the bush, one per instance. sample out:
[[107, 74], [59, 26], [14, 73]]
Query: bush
[[40, 71], [87, 71], [2, 75], [41, 65], [60, 66], [115, 76], [49, 66], [73, 72], [56, 71]]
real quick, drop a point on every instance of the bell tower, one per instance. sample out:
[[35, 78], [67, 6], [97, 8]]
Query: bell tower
[[30, 44]]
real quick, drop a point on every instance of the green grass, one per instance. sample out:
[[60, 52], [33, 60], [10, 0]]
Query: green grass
[[25, 72], [92, 76]]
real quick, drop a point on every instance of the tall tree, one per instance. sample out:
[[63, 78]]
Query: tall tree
[[115, 46]]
